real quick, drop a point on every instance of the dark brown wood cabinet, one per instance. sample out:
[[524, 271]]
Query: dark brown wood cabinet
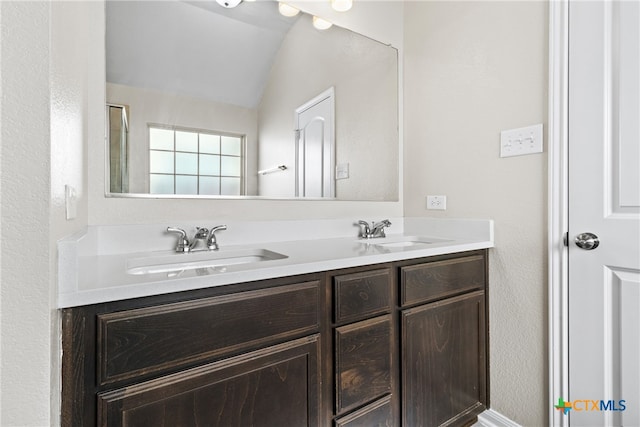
[[364, 358], [363, 362], [275, 386], [443, 322], [444, 377], [150, 339], [378, 414], [401, 343], [240, 355]]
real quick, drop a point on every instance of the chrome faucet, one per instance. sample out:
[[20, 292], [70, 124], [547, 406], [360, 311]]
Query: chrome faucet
[[212, 242], [201, 234], [375, 230], [184, 245]]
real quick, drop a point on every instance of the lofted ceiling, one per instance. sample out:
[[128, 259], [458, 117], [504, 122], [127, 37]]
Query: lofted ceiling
[[194, 48]]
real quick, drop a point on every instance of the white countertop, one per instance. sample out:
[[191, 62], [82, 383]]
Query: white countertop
[[89, 277]]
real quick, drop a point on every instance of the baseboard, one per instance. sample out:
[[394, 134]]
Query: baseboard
[[491, 418]]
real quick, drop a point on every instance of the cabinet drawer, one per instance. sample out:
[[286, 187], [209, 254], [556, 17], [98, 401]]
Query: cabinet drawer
[[359, 295], [439, 279], [363, 362], [149, 340], [378, 414]]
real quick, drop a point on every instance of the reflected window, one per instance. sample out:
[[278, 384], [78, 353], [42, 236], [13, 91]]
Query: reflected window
[[187, 161]]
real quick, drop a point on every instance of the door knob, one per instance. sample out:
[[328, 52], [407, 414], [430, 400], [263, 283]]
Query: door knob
[[587, 241]]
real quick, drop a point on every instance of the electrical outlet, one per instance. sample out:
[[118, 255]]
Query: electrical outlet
[[438, 203], [521, 141]]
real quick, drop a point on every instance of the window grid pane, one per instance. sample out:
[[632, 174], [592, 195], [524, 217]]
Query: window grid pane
[[231, 145], [187, 141], [161, 139], [187, 163], [230, 166], [183, 161], [161, 184]]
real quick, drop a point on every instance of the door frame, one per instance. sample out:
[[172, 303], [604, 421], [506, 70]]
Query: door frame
[[558, 219]]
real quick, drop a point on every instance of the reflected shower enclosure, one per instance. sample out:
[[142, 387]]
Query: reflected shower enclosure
[[118, 138]]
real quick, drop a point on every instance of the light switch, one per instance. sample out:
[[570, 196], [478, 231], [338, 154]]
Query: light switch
[[438, 203], [521, 141], [71, 202], [342, 171]]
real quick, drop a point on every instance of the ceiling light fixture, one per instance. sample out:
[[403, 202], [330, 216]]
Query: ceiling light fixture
[[229, 4], [321, 24], [287, 10], [341, 5]]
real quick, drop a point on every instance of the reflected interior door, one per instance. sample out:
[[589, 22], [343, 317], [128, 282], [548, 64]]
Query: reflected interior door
[[315, 152], [604, 200]]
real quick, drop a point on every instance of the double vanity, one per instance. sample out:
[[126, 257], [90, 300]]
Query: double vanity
[[304, 324]]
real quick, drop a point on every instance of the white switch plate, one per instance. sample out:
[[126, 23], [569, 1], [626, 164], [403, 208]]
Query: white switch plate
[[521, 141], [71, 201], [438, 203], [342, 171]]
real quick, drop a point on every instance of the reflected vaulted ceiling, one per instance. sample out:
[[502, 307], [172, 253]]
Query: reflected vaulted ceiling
[[197, 49]]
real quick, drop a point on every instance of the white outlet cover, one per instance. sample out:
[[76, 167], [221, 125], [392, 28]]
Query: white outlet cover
[[521, 141]]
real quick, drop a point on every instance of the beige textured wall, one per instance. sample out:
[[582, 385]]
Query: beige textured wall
[[473, 69], [364, 75]]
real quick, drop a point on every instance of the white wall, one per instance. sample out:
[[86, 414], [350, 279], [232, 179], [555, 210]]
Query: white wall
[[150, 106], [473, 69], [381, 20], [25, 311], [72, 110], [365, 78], [45, 115]]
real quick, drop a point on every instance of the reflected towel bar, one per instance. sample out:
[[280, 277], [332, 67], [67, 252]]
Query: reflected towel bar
[[272, 170]]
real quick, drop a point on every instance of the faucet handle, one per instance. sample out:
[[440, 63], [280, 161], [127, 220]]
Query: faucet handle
[[183, 243], [383, 223], [218, 228], [366, 230], [212, 242], [377, 229]]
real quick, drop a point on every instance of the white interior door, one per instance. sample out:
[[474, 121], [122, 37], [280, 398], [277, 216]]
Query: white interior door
[[315, 158], [604, 199]]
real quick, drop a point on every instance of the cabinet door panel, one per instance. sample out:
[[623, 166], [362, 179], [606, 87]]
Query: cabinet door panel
[[444, 371], [149, 340], [363, 362], [276, 386]]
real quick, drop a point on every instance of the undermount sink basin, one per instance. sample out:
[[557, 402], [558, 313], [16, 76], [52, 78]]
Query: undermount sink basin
[[175, 263], [404, 241]]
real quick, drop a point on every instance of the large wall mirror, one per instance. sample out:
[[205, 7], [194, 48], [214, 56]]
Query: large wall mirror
[[208, 101]]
